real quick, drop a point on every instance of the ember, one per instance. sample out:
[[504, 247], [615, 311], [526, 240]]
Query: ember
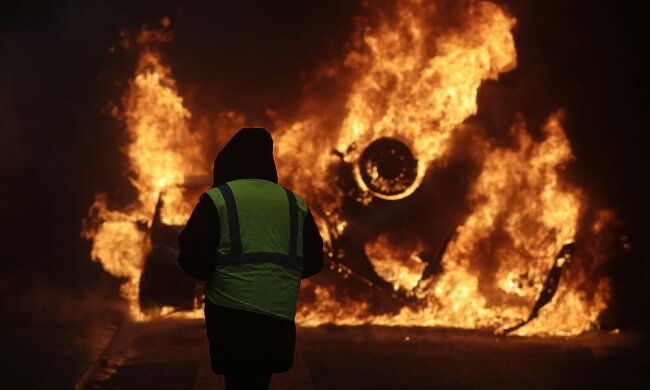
[[470, 257]]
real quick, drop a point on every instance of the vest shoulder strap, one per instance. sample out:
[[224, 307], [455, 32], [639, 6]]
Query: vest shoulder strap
[[233, 219], [293, 223], [235, 233]]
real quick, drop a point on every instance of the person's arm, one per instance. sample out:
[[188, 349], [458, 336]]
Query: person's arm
[[199, 240], [312, 244]]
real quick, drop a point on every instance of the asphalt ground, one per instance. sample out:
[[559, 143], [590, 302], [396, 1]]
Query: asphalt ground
[[370, 357], [50, 338], [172, 354], [50, 341]]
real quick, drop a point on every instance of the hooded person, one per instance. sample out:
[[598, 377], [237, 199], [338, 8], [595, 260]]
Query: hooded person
[[252, 241]]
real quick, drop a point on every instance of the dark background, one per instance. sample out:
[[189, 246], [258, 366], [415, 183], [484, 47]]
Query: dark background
[[58, 147]]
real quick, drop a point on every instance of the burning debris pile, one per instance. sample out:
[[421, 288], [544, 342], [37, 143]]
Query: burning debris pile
[[427, 221]]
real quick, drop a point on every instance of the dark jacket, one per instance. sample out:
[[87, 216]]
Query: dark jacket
[[240, 338]]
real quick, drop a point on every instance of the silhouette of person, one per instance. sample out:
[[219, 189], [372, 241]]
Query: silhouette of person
[[252, 241]]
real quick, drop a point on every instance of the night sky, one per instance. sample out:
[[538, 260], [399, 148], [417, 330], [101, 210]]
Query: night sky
[[59, 147]]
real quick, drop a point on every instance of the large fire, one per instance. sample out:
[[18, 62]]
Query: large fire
[[415, 84]]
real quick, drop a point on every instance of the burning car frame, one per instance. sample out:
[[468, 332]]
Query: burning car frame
[[427, 221]]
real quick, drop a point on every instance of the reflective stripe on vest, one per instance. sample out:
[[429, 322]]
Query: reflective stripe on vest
[[237, 257], [258, 268]]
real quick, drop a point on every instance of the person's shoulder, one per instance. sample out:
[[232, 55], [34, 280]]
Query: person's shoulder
[[211, 195], [301, 202], [299, 198]]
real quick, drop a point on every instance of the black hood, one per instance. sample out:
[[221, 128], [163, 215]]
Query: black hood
[[248, 155]]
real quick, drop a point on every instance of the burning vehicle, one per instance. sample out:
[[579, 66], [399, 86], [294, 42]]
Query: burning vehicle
[[387, 171], [427, 220], [163, 283]]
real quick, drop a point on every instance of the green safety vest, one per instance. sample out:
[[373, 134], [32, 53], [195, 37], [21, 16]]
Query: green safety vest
[[259, 261]]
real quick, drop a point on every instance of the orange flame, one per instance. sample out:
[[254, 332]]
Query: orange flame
[[162, 152], [416, 82]]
